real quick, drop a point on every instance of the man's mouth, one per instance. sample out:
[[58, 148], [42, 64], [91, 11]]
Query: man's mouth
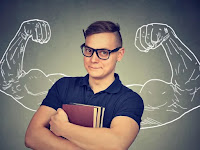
[[94, 67]]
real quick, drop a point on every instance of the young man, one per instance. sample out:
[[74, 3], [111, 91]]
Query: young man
[[101, 87]]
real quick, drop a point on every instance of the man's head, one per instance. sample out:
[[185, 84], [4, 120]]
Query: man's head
[[102, 35], [105, 27]]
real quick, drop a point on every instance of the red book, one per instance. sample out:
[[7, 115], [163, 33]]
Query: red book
[[84, 115]]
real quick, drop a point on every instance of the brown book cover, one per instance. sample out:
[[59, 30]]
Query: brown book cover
[[83, 115]]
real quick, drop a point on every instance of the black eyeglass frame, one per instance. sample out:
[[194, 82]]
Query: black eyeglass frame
[[95, 50]]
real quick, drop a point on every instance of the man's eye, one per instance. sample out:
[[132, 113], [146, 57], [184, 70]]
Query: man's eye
[[104, 52], [88, 50]]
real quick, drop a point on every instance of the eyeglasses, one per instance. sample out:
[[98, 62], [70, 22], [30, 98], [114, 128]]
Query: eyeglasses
[[101, 53]]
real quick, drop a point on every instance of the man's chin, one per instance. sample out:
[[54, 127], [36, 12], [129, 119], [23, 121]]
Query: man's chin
[[95, 75]]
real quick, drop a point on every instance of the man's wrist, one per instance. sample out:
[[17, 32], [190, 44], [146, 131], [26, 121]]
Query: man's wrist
[[66, 128]]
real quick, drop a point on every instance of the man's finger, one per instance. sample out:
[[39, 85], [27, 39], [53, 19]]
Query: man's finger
[[50, 123], [61, 111]]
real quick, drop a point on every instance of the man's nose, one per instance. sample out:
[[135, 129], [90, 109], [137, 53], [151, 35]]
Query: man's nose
[[94, 57]]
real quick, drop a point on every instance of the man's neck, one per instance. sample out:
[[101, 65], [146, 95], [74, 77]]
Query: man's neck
[[100, 84]]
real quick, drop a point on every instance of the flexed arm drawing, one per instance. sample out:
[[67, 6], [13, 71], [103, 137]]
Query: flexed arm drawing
[[14, 80], [166, 101], [12, 60]]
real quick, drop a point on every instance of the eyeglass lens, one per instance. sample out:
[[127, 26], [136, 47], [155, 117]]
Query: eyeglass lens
[[102, 54]]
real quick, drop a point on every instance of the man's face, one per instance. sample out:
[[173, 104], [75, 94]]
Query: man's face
[[96, 67]]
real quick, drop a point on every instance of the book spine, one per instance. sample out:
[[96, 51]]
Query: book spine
[[102, 116], [95, 117], [98, 117]]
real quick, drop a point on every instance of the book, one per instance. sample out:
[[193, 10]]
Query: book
[[84, 115]]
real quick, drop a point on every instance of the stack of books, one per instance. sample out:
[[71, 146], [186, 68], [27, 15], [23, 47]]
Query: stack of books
[[85, 115]]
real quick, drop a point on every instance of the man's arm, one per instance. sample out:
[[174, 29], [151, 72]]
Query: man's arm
[[38, 136], [119, 136]]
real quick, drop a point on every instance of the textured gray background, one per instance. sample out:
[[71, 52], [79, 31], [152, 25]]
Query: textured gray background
[[62, 54]]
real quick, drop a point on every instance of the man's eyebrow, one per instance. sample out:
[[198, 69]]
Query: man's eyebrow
[[97, 48]]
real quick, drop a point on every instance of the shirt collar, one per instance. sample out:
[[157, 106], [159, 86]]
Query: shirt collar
[[85, 81], [113, 88]]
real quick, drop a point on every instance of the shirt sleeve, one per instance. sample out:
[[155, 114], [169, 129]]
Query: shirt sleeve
[[54, 96], [132, 107]]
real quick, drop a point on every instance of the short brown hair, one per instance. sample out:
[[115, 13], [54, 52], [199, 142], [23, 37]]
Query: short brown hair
[[102, 27]]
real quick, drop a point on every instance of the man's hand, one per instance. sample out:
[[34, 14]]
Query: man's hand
[[58, 122], [152, 35], [38, 30]]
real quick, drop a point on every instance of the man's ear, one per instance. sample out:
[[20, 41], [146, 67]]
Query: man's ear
[[120, 54]]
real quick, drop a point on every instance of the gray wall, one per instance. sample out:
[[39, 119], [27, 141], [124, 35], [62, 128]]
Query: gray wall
[[62, 55]]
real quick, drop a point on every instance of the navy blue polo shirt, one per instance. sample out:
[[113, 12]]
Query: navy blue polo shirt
[[117, 99]]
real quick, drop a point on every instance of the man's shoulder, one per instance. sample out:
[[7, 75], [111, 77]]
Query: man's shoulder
[[69, 79], [126, 89], [66, 82], [129, 93]]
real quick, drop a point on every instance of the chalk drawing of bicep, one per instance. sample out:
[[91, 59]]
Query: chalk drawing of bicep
[[168, 101], [27, 88]]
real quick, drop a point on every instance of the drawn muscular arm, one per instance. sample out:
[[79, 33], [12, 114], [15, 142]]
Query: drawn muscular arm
[[165, 101], [184, 64], [16, 82], [185, 67], [12, 60]]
